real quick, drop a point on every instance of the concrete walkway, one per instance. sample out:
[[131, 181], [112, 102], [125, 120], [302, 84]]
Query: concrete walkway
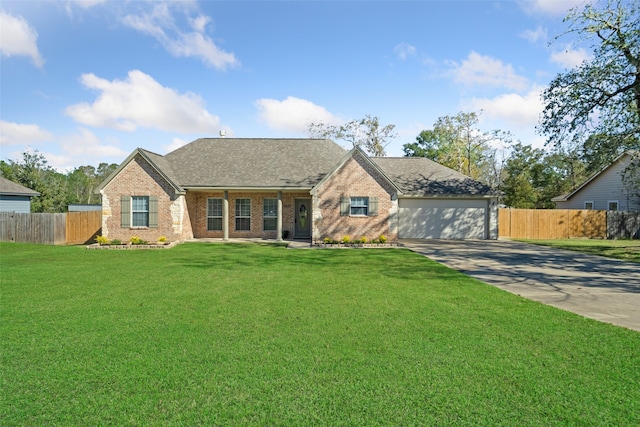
[[596, 287]]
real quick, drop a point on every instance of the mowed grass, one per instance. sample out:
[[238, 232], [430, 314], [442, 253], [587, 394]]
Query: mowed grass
[[226, 334], [626, 250]]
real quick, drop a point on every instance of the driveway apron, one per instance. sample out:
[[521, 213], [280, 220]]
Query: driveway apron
[[592, 286]]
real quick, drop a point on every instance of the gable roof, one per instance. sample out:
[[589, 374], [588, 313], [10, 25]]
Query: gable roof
[[422, 177], [254, 162], [566, 197], [156, 161], [10, 188], [356, 151]]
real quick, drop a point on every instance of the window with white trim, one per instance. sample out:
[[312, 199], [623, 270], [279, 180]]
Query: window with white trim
[[588, 205], [359, 206], [139, 211], [270, 214], [612, 205], [243, 214], [214, 214]]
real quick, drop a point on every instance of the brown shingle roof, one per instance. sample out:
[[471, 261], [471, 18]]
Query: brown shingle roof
[[8, 187], [253, 162], [419, 176]]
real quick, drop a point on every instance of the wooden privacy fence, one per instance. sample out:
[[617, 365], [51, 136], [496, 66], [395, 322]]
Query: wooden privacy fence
[[50, 228], [567, 224]]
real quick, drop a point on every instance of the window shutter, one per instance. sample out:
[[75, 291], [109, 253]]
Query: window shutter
[[345, 205], [125, 211], [153, 212], [373, 206]]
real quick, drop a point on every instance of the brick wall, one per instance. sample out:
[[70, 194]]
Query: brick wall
[[138, 178], [197, 206], [357, 177]]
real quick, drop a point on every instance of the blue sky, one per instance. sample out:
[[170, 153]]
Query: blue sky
[[88, 81]]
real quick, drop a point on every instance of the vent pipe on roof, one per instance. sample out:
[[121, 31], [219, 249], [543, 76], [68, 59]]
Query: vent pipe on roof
[[223, 133]]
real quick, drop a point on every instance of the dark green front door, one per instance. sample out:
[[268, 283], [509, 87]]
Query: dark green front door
[[303, 219]]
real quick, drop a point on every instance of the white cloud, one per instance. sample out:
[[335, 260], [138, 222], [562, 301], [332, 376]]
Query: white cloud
[[517, 111], [86, 4], [175, 144], [554, 8], [570, 58], [160, 24], [404, 50], [292, 114], [534, 36], [86, 145], [487, 71], [140, 101], [18, 38], [21, 134]]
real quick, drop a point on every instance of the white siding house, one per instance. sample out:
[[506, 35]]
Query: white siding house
[[604, 191]]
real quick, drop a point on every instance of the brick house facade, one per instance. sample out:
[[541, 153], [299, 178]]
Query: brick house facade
[[270, 188]]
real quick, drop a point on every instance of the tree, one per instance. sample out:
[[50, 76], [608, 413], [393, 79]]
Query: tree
[[35, 173], [83, 181], [366, 133], [56, 190], [534, 177], [602, 95], [456, 142]]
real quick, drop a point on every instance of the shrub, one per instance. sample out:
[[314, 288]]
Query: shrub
[[102, 240], [162, 239], [346, 239], [116, 242], [327, 240], [135, 240], [382, 238], [363, 239]]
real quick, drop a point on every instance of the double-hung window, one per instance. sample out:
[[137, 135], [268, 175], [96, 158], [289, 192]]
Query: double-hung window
[[359, 206], [139, 211], [270, 214], [214, 214], [612, 205], [588, 205], [243, 214]]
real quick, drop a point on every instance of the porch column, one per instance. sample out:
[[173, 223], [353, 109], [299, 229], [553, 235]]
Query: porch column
[[279, 220], [225, 216]]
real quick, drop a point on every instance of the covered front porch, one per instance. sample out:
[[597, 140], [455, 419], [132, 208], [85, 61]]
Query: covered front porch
[[249, 214]]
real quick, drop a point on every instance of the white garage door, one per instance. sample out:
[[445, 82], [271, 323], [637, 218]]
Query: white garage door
[[442, 219]]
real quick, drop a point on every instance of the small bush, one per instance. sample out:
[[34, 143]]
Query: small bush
[[162, 239], [102, 240], [116, 242], [382, 239], [135, 240], [346, 239], [327, 240], [363, 239]]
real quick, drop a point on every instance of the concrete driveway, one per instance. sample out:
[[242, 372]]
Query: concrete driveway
[[599, 288]]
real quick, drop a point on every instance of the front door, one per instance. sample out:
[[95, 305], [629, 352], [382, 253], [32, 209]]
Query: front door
[[303, 219]]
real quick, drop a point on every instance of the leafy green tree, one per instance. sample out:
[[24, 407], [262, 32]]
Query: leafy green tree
[[83, 181], [34, 172], [456, 142], [366, 133], [598, 101], [534, 177]]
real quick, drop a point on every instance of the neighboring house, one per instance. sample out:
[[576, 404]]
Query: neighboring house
[[604, 190], [304, 188], [15, 197], [79, 207]]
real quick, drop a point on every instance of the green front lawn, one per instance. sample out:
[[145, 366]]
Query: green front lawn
[[626, 250], [213, 334]]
